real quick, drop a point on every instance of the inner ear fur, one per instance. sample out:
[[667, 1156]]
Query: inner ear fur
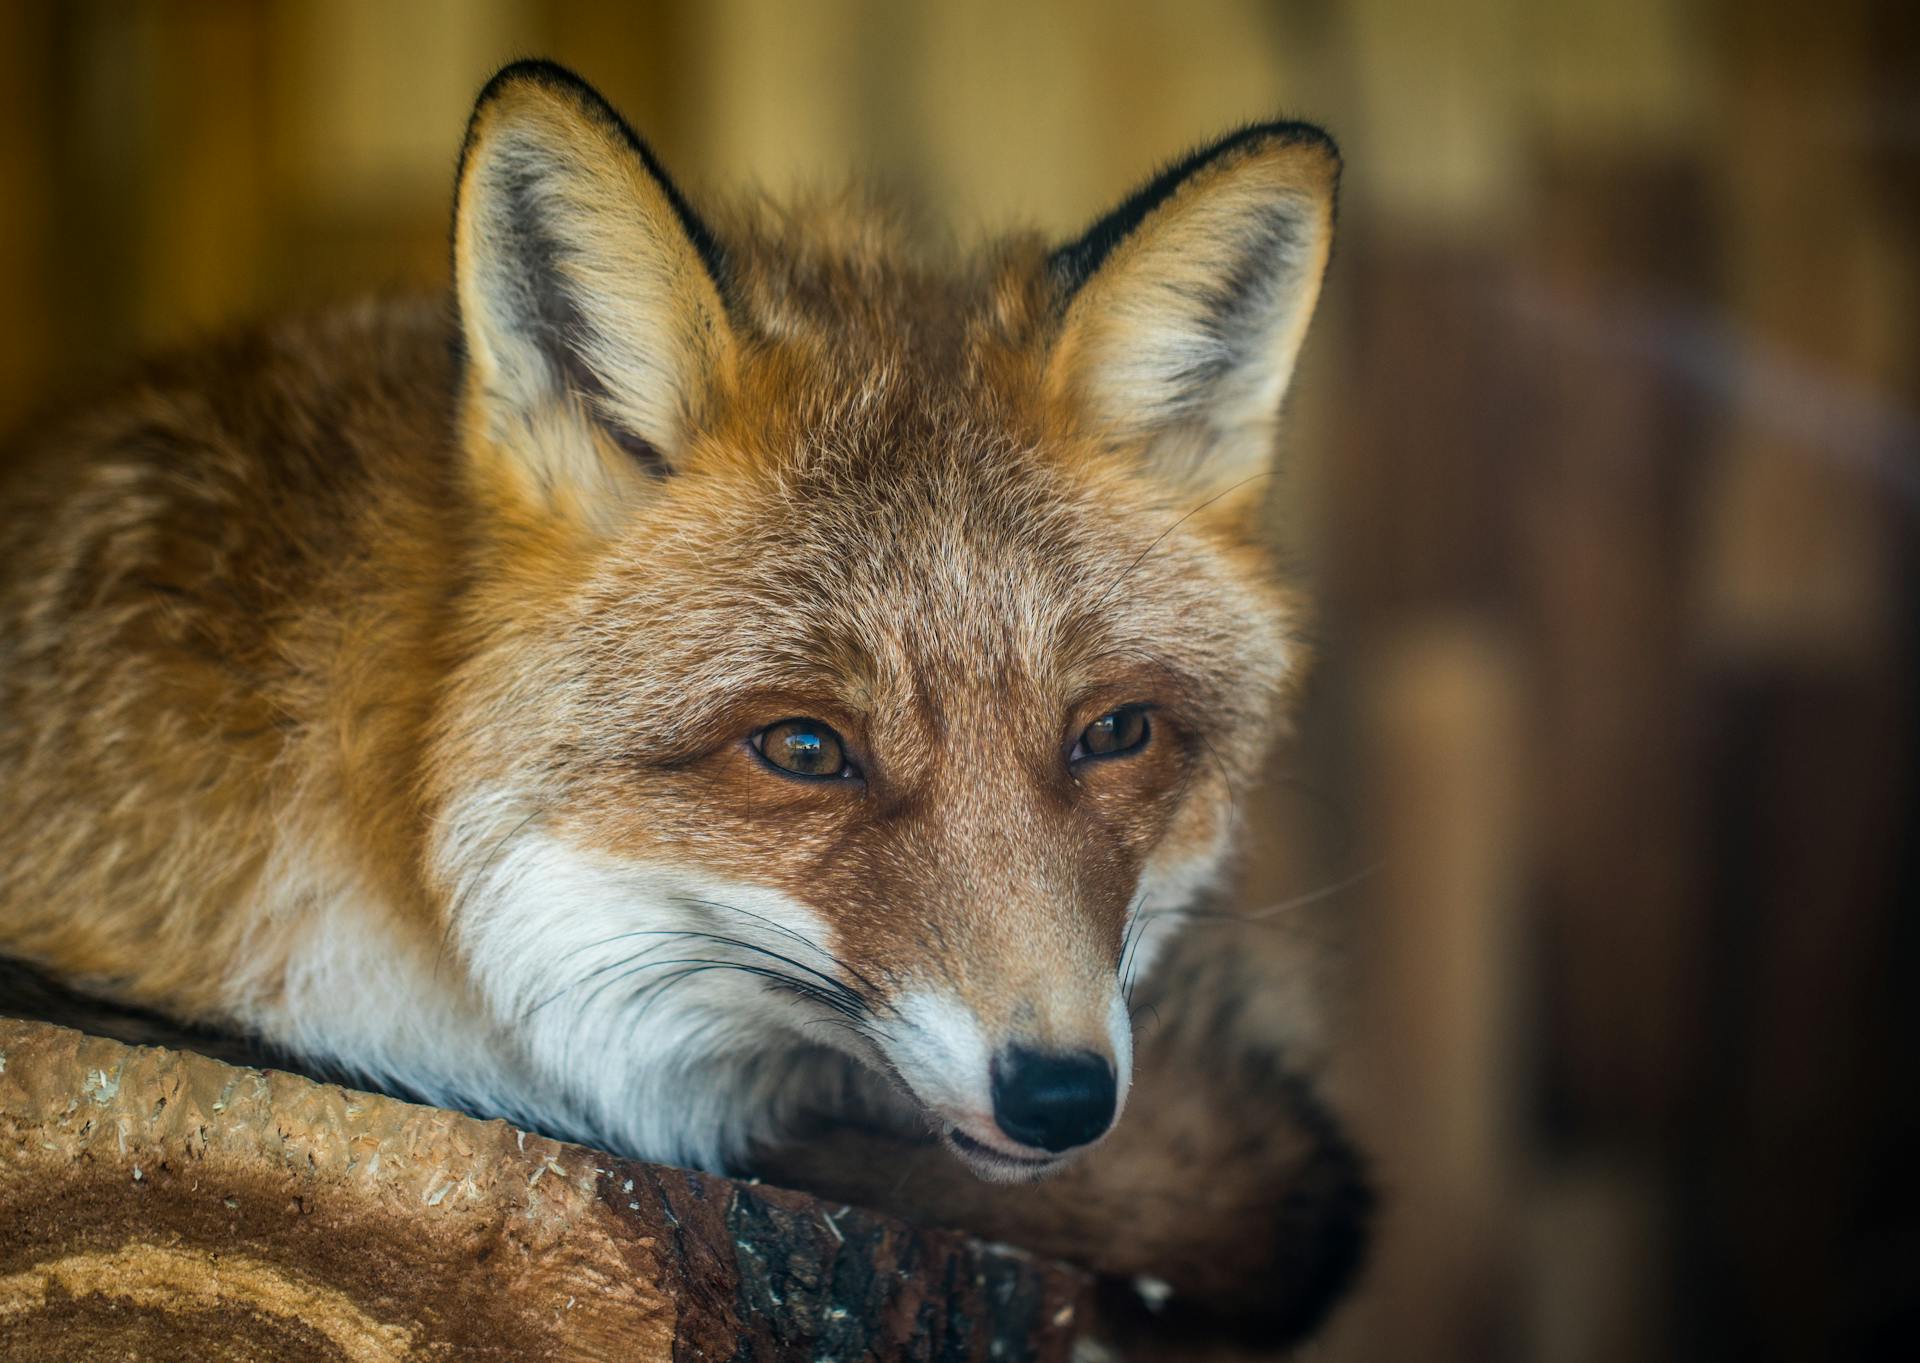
[[1184, 308], [589, 291]]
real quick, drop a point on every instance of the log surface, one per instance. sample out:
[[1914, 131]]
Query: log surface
[[160, 1205]]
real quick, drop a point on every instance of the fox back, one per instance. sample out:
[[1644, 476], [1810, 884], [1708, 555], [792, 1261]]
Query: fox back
[[728, 657]]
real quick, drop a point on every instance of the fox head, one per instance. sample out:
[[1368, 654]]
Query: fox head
[[856, 653]]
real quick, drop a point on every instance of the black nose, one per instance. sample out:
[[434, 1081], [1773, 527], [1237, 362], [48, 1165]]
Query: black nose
[[1054, 1102]]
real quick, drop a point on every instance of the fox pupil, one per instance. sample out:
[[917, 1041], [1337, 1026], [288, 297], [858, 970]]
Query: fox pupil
[[803, 747], [1112, 734]]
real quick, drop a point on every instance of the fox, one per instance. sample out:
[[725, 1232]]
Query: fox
[[730, 684]]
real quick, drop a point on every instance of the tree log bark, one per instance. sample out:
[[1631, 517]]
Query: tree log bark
[[159, 1204]]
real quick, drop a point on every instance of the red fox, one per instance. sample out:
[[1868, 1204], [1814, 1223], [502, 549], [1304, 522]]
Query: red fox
[[737, 663]]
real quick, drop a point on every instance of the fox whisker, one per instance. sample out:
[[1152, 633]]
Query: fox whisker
[[701, 964], [1136, 929], [822, 988], [472, 884], [1233, 796], [1266, 917], [1141, 558], [838, 962]]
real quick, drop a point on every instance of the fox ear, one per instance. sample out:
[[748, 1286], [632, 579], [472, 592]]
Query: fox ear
[[595, 331], [1184, 307]]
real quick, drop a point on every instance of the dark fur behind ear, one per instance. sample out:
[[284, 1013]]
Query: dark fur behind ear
[[1075, 263]]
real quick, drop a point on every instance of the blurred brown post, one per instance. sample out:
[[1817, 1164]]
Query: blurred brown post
[[1791, 1179], [1441, 724]]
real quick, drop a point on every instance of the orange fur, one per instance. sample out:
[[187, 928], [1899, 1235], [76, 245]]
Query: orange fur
[[315, 626]]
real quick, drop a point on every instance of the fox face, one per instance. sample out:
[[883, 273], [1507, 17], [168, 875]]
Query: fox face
[[857, 656]]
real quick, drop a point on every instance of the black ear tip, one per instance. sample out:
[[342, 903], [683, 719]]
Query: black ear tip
[[514, 75], [556, 79], [1288, 132], [535, 71], [1076, 261], [540, 73]]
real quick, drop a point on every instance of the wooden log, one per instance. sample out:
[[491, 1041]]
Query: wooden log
[[162, 1205]]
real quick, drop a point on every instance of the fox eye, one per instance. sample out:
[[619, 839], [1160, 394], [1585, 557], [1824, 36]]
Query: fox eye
[[803, 747], [1114, 734]]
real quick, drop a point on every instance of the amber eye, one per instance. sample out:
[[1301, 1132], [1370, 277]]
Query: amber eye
[[803, 747], [1112, 735]]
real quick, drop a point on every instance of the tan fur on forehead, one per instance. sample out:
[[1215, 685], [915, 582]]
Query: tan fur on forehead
[[847, 261], [951, 547]]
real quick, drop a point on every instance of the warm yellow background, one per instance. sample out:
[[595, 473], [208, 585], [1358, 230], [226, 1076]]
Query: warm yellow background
[[169, 166], [1604, 457]]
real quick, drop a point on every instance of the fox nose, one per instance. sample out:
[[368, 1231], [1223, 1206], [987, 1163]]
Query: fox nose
[[1054, 1102]]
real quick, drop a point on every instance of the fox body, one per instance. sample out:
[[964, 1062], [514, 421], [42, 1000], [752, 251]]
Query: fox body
[[729, 658]]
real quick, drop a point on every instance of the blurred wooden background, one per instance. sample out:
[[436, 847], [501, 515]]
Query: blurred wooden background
[[1605, 455]]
